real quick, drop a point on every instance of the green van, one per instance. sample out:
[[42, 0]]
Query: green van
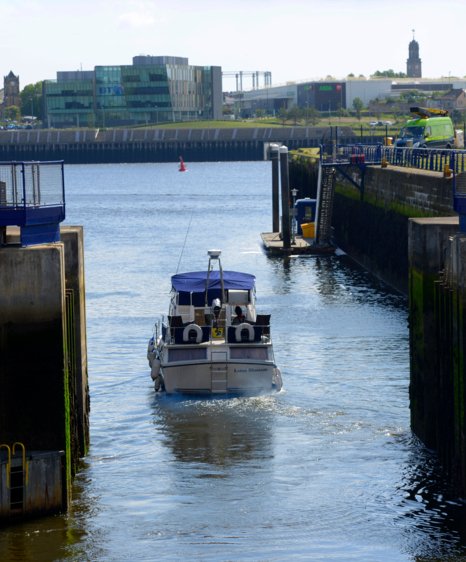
[[432, 129]]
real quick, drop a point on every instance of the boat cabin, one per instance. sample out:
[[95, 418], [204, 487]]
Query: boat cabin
[[204, 305]]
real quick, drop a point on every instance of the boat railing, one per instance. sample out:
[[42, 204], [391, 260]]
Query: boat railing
[[160, 328], [180, 332]]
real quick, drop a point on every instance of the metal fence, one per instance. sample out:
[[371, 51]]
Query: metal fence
[[430, 159], [31, 184]]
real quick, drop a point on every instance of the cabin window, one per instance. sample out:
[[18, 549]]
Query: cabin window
[[248, 353], [240, 297], [186, 354]]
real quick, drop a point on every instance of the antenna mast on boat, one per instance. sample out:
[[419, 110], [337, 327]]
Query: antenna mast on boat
[[184, 243], [214, 255]]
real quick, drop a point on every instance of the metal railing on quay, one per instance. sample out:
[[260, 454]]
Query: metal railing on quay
[[357, 153], [32, 196], [31, 184], [430, 159]]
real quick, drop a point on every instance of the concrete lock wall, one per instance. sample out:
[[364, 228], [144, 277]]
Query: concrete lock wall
[[438, 342], [31, 489], [451, 330], [44, 402], [157, 145], [73, 240], [32, 303], [428, 244], [406, 189], [381, 211], [401, 226]]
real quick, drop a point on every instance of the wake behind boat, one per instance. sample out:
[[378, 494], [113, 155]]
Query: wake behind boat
[[213, 341]]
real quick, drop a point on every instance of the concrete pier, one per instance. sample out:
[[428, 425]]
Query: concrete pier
[[428, 244], [44, 401], [372, 227], [284, 240], [273, 245], [88, 146], [437, 291], [32, 485], [403, 227]]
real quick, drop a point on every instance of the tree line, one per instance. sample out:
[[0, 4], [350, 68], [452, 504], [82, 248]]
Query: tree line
[[31, 104]]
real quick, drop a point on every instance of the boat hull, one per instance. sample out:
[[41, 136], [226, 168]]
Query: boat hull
[[220, 378]]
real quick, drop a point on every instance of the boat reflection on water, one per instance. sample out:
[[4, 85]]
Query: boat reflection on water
[[217, 431]]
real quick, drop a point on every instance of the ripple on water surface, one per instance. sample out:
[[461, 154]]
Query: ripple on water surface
[[326, 469]]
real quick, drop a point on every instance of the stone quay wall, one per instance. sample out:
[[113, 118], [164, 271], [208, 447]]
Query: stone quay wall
[[400, 225]]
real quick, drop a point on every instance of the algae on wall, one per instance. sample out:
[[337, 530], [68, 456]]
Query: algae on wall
[[423, 389], [303, 171], [370, 226], [450, 396], [405, 239], [374, 237]]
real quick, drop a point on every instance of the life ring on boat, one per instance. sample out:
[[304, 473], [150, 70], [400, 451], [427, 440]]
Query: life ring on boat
[[192, 334], [244, 332]]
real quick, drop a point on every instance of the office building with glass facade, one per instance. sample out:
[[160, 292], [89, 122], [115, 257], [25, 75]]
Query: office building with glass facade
[[152, 90]]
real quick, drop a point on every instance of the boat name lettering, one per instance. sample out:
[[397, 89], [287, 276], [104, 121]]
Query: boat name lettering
[[251, 370]]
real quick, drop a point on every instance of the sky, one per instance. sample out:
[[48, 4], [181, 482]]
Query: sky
[[295, 40]]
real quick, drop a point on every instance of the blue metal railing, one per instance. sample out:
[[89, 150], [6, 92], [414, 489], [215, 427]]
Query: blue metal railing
[[32, 196], [369, 152], [451, 162], [430, 159], [31, 184]]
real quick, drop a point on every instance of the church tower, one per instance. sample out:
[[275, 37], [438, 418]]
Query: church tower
[[413, 64], [11, 90]]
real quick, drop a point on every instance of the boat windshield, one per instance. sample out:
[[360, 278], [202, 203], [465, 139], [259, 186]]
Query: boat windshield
[[412, 132]]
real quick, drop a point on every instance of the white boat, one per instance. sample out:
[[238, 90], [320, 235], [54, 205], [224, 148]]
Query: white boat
[[213, 341]]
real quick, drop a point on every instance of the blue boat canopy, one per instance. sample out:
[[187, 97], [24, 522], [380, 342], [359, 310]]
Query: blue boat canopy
[[195, 281]]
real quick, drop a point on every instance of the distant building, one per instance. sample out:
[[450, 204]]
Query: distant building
[[413, 64], [11, 91], [453, 100], [323, 96], [151, 90], [327, 96]]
